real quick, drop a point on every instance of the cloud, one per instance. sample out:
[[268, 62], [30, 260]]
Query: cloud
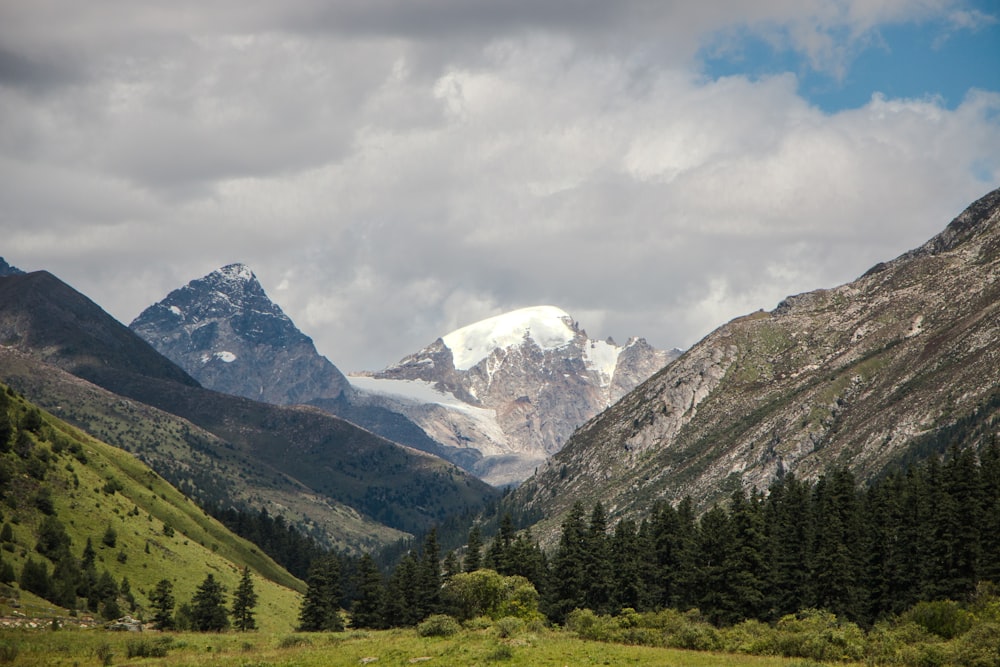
[[394, 171]]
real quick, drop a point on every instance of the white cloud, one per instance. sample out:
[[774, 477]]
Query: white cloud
[[391, 174]]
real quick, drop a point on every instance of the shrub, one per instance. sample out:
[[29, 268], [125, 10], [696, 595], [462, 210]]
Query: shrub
[[147, 648], [980, 647], [944, 618], [438, 625], [500, 653], [509, 626], [293, 640], [819, 635], [588, 625], [104, 653]]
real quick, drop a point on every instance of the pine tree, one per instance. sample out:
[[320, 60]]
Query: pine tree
[[568, 585], [450, 567], [429, 577], [162, 600], [399, 604], [473, 550], [208, 607], [320, 611], [715, 558], [748, 573], [598, 572], [789, 534], [365, 611], [244, 602]]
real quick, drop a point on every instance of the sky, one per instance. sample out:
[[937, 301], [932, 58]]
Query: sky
[[394, 170]]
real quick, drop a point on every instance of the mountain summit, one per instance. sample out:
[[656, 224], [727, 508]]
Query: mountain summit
[[513, 386], [225, 331]]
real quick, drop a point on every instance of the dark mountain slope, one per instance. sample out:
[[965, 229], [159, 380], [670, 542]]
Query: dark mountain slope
[[862, 375], [61, 326]]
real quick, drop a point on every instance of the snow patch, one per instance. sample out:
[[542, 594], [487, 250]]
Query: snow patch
[[225, 356], [549, 327], [176, 311], [602, 358]]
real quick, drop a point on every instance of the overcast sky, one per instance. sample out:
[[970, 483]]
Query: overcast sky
[[392, 170]]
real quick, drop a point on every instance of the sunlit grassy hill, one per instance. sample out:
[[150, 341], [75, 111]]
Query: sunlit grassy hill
[[141, 528]]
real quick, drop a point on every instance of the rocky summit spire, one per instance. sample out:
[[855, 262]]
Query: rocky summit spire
[[226, 332]]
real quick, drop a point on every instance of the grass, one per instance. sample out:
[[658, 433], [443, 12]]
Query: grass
[[383, 648]]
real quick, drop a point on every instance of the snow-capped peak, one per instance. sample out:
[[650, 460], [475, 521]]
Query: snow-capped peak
[[549, 327]]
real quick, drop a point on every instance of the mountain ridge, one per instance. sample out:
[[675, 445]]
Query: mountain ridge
[[854, 375], [523, 381]]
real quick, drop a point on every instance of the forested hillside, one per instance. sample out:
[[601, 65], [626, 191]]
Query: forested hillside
[[88, 528]]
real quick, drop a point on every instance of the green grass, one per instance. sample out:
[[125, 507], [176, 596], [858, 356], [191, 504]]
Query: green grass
[[160, 534], [388, 648]]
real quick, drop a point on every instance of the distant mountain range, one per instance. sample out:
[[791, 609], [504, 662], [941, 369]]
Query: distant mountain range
[[901, 363], [346, 485], [496, 397]]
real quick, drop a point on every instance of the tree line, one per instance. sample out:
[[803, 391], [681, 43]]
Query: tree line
[[864, 553]]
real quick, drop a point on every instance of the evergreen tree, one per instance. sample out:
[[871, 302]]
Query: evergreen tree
[[89, 555], [747, 570], [789, 534], [837, 570], [366, 609], [320, 611], [162, 601], [715, 560], [35, 578], [429, 577], [244, 602], [568, 585], [208, 607], [598, 572], [399, 604], [473, 550], [451, 566], [629, 556]]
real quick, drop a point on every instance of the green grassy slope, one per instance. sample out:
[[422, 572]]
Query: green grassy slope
[[159, 532]]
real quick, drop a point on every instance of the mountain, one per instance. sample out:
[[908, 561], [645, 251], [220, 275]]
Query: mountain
[[8, 270], [495, 397], [900, 363], [330, 466], [511, 387], [62, 487], [225, 331]]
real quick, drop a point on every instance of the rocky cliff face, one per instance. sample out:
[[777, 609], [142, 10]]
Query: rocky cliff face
[[8, 270], [864, 375], [512, 387], [227, 334]]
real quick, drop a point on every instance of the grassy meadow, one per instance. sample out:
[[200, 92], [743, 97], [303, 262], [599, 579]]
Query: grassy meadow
[[483, 646]]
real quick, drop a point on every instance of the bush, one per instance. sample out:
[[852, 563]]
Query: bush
[[980, 647], [500, 653], [944, 618], [147, 648], [509, 626], [819, 635], [293, 640], [438, 625], [751, 637], [588, 625]]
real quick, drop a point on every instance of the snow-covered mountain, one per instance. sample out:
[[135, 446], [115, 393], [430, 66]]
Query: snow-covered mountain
[[496, 397], [513, 387], [227, 334]]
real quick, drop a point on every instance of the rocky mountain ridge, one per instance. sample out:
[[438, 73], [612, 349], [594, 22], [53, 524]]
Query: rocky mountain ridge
[[863, 375], [225, 331], [524, 380]]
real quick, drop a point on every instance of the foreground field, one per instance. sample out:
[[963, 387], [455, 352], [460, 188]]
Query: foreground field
[[396, 647]]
